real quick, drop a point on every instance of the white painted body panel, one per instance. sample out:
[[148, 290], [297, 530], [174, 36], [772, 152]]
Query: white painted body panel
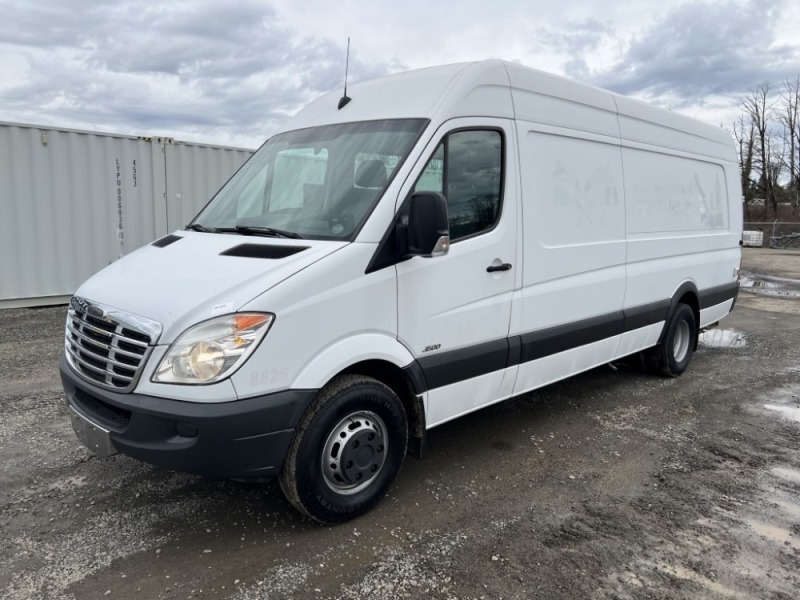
[[329, 317], [553, 368], [644, 337], [709, 316], [452, 401], [189, 281]]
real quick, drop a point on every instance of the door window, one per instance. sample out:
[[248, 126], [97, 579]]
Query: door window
[[467, 168]]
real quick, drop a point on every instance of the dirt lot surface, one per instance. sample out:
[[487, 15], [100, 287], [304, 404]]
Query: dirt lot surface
[[614, 484]]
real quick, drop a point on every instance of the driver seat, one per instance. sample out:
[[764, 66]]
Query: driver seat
[[371, 174]]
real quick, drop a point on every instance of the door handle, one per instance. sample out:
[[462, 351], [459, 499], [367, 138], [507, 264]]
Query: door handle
[[494, 268]]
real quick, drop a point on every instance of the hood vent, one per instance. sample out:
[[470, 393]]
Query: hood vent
[[263, 251], [166, 241]]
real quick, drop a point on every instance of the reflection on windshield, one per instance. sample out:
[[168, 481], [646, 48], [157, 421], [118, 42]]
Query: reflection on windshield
[[318, 183]]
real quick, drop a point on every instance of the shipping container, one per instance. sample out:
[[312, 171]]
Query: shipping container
[[71, 202]]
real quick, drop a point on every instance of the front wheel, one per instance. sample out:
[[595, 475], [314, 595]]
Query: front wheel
[[347, 450], [672, 355]]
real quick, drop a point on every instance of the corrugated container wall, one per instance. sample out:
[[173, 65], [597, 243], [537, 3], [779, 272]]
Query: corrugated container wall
[[71, 202]]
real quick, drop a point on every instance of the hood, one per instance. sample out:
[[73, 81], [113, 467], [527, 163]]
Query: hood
[[190, 276]]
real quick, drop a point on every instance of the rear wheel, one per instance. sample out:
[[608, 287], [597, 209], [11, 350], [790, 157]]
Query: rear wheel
[[347, 450], [673, 354]]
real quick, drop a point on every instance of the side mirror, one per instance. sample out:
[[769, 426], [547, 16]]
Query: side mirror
[[428, 232]]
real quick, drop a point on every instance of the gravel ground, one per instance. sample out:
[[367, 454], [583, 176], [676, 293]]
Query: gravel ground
[[614, 484]]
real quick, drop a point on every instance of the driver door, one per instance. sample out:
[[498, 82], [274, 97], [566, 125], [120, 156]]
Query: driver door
[[454, 310]]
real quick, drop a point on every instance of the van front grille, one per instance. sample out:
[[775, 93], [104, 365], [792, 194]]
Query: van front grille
[[103, 349]]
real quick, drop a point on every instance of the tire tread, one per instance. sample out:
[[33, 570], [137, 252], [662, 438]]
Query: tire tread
[[287, 478], [659, 359]]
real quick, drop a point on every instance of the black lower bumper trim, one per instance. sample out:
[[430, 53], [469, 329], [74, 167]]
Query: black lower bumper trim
[[719, 294], [241, 438]]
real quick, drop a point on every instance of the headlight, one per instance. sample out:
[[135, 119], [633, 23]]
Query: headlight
[[213, 350]]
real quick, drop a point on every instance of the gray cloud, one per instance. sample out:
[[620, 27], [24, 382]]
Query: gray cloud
[[179, 66], [577, 40], [578, 37], [703, 49], [41, 23], [195, 40], [232, 73]]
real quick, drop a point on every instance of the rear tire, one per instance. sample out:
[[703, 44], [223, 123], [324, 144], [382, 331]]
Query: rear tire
[[671, 357], [347, 450]]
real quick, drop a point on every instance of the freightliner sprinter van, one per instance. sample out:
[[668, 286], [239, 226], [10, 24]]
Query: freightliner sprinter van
[[439, 241]]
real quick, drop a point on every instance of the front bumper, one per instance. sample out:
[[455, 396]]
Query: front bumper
[[242, 438]]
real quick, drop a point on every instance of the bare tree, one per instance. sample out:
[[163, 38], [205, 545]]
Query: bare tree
[[759, 110], [745, 136], [776, 160], [790, 119]]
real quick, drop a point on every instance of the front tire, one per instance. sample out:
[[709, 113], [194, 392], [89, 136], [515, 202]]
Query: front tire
[[671, 357], [347, 450]]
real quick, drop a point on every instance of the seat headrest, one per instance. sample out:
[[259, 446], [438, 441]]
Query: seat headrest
[[371, 174]]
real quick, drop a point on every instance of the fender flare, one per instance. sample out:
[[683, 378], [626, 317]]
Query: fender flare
[[687, 287], [344, 353]]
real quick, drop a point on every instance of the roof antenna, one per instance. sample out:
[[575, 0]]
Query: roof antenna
[[345, 99]]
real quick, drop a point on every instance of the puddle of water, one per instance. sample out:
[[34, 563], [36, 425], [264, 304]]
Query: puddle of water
[[722, 338], [774, 533], [788, 394], [787, 474], [749, 282], [784, 401], [790, 412], [768, 285]]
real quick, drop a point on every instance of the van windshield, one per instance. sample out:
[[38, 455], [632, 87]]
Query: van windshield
[[316, 183]]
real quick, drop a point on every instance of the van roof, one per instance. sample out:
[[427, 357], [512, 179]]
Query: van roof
[[495, 88], [420, 93]]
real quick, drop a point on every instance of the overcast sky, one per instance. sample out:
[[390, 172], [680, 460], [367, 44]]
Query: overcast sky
[[230, 72]]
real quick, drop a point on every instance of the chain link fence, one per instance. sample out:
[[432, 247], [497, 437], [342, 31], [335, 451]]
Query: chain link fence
[[776, 234]]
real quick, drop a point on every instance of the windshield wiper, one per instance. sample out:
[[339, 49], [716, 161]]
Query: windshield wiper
[[245, 230], [201, 228], [268, 231]]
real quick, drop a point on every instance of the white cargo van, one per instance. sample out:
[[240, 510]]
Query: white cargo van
[[445, 239]]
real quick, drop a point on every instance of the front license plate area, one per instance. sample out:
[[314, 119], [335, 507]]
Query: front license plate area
[[94, 437]]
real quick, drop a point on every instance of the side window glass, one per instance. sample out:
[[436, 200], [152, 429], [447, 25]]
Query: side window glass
[[467, 169], [473, 176], [432, 178]]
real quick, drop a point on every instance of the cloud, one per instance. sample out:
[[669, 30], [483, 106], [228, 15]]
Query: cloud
[[45, 24], [578, 41], [702, 50], [199, 70], [182, 66]]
